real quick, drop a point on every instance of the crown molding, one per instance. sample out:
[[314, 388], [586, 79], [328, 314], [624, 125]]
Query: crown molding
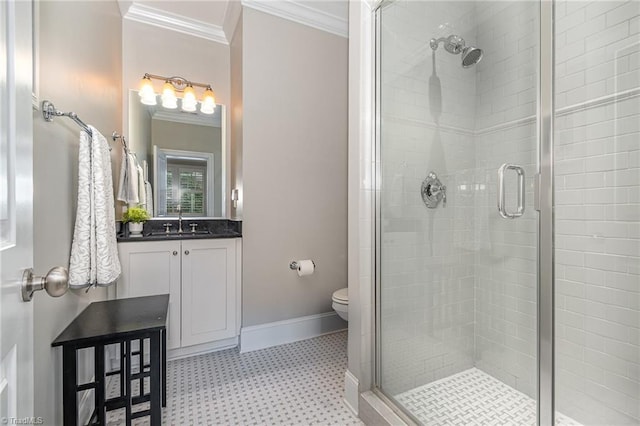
[[188, 118], [159, 18], [297, 11], [231, 18]]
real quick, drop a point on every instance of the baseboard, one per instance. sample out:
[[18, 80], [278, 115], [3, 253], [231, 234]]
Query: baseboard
[[178, 353], [204, 348], [351, 394], [288, 331]]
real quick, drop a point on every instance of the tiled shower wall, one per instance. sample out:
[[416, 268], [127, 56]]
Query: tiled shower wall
[[459, 286], [598, 211], [505, 132], [427, 303]]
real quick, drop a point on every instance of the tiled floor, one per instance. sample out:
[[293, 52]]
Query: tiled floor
[[296, 384], [472, 397]]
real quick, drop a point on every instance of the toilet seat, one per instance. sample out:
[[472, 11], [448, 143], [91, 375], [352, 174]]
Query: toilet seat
[[341, 296]]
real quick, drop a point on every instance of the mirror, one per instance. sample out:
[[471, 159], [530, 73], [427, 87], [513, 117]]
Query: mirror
[[182, 155]]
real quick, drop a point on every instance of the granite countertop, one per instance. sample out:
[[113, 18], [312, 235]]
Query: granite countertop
[[154, 230]]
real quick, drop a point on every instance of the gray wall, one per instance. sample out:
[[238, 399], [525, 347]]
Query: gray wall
[[294, 154], [236, 118], [84, 78]]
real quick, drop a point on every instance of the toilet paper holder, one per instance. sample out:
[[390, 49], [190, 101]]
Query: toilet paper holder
[[294, 265]]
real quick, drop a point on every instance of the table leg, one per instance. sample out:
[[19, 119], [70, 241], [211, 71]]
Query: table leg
[[99, 381], [127, 379], [163, 341], [69, 383], [155, 377]]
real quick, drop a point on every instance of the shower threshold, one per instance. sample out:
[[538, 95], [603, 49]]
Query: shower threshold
[[472, 397]]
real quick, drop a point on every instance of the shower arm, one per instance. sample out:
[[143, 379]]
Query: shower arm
[[434, 43]]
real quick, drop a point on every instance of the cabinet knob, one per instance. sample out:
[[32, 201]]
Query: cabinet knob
[[175, 252], [186, 252]]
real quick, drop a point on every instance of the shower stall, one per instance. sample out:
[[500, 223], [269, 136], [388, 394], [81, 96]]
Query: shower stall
[[507, 211]]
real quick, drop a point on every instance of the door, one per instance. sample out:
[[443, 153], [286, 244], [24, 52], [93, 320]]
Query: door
[[16, 205], [457, 229], [150, 268], [208, 290]]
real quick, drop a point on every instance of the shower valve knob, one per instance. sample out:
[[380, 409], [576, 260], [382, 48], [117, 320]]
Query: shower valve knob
[[433, 191]]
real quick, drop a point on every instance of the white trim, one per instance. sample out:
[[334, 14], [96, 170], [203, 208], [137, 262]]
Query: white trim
[[351, 393], [569, 109], [205, 348], [171, 21], [301, 13], [291, 10], [601, 101], [231, 18], [288, 331], [214, 120]]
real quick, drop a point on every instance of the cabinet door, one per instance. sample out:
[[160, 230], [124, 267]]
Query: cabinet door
[[208, 290], [150, 268]]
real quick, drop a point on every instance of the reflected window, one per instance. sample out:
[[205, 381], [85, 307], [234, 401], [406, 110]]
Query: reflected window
[[188, 182], [186, 187]]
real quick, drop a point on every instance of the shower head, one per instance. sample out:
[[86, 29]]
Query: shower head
[[471, 56], [455, 45]]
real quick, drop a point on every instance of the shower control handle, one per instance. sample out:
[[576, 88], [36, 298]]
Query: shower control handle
[[502, 209], [433, 191]]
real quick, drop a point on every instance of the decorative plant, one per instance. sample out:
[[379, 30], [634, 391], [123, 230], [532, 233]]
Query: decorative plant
[[135, 215]]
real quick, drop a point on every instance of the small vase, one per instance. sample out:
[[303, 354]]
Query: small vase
[[135, 229]]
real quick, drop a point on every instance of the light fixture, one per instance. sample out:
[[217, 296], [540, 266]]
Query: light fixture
[[170, 98], [189, 101], [147, 94], [208, 104]]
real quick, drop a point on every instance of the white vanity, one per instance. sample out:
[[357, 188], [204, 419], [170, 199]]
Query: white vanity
[[189, 250], [203, 280]]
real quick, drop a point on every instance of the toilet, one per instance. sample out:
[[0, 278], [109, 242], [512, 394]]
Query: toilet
[[340, 304]]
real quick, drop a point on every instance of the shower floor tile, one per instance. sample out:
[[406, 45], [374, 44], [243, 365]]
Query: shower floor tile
[[472, 397]]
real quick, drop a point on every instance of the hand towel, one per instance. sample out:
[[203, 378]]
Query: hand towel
[[148, 190], [128, 184], [142, 191], [94, 252]]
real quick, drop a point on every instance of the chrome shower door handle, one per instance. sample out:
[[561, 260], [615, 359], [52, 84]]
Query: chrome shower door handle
[[502, 209]]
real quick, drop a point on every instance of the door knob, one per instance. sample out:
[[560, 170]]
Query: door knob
[[56, 283]]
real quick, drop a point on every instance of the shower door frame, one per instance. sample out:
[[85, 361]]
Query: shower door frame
[[543, 203]]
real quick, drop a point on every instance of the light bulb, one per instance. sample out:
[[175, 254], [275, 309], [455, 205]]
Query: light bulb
[[169, 99], [147, 95], [189, 101], [208, 104]]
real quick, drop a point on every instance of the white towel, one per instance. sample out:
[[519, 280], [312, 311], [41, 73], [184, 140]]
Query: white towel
[[94, 252], [128, 184], [142, 191], [149, 200]]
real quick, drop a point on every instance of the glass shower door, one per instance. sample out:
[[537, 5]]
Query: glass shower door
[[597, 223], [457, 90]]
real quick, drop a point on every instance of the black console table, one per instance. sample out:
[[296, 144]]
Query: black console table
[[121, 322]]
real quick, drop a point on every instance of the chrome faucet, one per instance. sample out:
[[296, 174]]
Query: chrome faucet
[[179, 219]]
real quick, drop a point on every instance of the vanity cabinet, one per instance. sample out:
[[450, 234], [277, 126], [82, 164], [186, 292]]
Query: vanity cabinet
[[208, 291], [202, 279]]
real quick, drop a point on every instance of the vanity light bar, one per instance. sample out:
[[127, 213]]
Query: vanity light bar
[[148, 95]]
